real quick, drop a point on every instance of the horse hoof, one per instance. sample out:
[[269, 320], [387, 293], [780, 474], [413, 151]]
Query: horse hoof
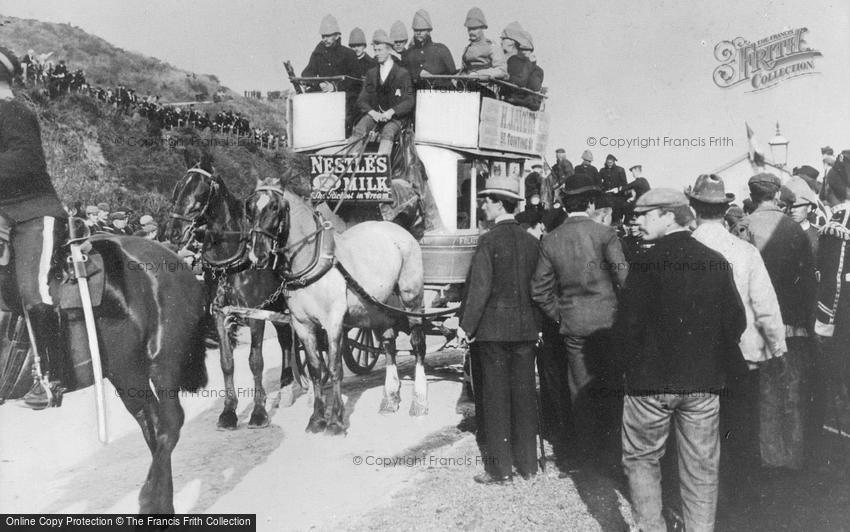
[[227, 420], [316, 426], [259, 420], [418, 409], [336, 429], [389, 405], [465, 408]]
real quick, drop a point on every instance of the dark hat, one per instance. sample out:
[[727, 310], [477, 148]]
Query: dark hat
[[765, 179], [709, 189], [9, 62], [611, 156], [530, 216], [579, 184], [640, 167], [806, 171], [827, 150], [658, 198], [560, 150]]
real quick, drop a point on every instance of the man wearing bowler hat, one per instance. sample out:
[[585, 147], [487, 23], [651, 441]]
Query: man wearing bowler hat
[[500, 316], [580, 270], [677, 332], [762, 341]]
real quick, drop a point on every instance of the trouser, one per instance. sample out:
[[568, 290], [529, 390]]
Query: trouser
[[389, 132], [554, 390], [510, 407], [646, 426], [33, 242], [595, 394], [739, 424], [475, 353], [782, 408]]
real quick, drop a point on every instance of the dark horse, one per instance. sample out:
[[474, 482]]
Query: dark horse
[[382, 258], [151, 345], [207, 215]]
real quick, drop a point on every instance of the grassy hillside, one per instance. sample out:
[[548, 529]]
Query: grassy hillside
[[95, 154]]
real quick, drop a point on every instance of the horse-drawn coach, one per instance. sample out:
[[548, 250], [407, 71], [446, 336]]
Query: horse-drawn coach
[[460, 134]]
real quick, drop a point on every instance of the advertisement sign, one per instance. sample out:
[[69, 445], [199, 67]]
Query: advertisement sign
[[511, 128], [317, 119], [447, 118], [335, 177]]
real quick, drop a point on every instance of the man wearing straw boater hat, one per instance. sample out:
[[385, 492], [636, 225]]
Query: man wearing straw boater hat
[[500, 316], [34, 219]]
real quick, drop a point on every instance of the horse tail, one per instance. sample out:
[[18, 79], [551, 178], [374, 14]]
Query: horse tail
[[194, 374]]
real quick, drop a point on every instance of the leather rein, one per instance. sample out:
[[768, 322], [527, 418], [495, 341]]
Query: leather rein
[[233, 262], [322, 259]]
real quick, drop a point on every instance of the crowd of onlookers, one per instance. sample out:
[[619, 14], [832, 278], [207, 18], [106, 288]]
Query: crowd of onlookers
[[100, 219], [666, 305], [57, 80]]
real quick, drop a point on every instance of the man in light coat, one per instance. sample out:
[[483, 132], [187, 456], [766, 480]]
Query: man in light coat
[[762, 341]]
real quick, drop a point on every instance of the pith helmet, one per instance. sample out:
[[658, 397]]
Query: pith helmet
[[422, 21], [329, 26], [475, 19], [357, 37]]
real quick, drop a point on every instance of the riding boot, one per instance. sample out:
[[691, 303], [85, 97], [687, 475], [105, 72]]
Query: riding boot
[[53, 353]]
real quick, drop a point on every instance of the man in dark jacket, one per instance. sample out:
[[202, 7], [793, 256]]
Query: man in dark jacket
[[500, 316], [331, 58], [787, 254], [612, 176], [678, 328], [357, 42], [387, 96], [580, 269], [587, 168], [29, 202], [424, 57]]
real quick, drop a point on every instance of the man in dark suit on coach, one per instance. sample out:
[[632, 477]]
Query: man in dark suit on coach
[[500, 315]]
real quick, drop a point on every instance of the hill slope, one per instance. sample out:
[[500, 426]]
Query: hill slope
[[96, 154]]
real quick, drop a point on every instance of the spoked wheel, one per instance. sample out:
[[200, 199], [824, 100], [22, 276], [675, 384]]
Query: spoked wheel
[[361, 349]]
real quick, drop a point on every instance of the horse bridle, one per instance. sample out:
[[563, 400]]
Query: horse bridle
[[195, 222], [279, 250]]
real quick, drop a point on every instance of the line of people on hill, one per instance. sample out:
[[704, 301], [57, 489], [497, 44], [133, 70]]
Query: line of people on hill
[[100, 219], [59, 81]]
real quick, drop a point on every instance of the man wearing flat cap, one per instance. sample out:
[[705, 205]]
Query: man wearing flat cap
[[762, 341], [425, 57], [580, 270], [500, 316], [481, 57], [386, 98], [119, 224], [677, 332], [787, 254], [31, 208]]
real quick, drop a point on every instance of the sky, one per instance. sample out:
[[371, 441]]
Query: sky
[[616, 70]]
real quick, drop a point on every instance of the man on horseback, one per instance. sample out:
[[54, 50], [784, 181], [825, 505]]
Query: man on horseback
[[30, 205]]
